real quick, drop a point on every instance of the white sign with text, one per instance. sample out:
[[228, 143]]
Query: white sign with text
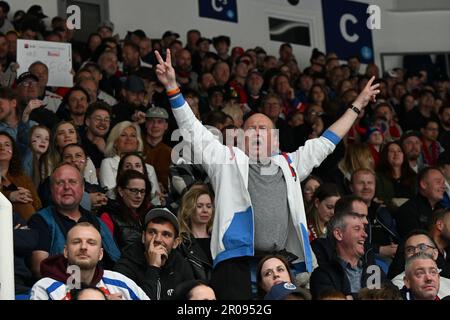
[[56, 55]]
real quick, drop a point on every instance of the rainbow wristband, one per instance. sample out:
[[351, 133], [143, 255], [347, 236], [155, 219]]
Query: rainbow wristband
[[173, 92]]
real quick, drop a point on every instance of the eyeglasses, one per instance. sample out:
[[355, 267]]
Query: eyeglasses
[[410, 250], [136, 191], [28, 84]]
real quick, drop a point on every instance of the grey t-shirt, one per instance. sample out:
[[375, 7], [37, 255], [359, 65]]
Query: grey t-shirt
[[268, 193]]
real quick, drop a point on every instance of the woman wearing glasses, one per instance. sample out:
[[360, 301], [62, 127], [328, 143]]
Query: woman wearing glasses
[[124, 215]]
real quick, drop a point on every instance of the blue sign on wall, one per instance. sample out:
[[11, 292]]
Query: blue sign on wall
[[346, 31], [225, 10]]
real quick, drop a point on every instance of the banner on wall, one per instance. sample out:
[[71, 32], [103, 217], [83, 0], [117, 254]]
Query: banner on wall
[[225, 10], [346, 30]]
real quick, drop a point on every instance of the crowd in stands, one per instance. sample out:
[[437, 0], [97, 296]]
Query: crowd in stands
[[354, 202]]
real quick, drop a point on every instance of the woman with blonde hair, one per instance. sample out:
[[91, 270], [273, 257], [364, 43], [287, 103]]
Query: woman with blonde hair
[[196, 217], [233, 109], [124, 138], [357, 156]]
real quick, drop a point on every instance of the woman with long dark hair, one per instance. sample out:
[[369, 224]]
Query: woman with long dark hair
[[325, 197], [15, 185], [396, 181], [124, 216]]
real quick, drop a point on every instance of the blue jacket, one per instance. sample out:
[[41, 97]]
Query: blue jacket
[[59, 240]]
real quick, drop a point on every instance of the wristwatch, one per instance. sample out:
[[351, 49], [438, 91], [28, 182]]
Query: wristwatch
[[357, 111]]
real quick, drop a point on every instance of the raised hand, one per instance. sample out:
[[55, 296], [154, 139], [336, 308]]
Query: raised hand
[[368, 94], [33, 104], [165, 71]]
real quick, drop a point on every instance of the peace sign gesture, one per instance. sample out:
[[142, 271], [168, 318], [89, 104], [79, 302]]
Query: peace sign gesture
[[165, 71]]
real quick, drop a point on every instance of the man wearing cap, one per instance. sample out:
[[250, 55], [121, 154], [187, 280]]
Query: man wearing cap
[[105, 29], [28, 91], [155, 264], [287, 291], [156, 152], [412, 146], [253, 183], [133, 93], [167, 38], [35, 16], [216, 97], [253, 86], [49, 99]]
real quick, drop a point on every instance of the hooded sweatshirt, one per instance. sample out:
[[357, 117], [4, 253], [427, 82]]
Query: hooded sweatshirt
[[57, 282]]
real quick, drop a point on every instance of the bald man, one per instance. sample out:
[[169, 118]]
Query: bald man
[[259, 205]]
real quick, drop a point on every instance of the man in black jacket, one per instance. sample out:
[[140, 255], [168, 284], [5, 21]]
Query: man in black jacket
[[416, 213], [351, 267], [154, 264]]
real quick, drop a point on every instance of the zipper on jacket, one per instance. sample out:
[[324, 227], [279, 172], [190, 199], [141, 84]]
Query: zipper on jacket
[[158, 290], [385, 227]]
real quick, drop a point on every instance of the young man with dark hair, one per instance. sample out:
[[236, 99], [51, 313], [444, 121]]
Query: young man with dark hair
[[155, 264], [98, 121]]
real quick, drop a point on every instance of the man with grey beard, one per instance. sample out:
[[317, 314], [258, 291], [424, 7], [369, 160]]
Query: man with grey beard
[[412, 146]]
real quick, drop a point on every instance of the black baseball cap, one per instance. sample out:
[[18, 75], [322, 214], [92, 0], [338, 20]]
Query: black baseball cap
[[134, 84], [170, 34], [36, 11], [26, 76]]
